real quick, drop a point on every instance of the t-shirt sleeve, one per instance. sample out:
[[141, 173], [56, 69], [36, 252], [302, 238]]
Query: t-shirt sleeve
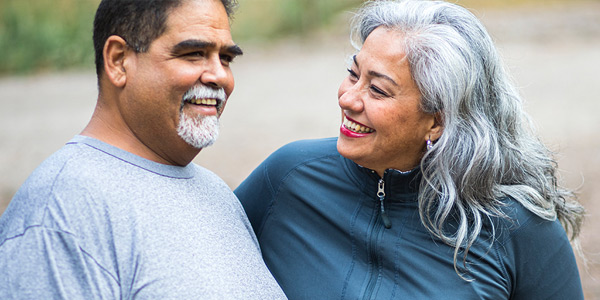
[[544, 262], [48, 264]]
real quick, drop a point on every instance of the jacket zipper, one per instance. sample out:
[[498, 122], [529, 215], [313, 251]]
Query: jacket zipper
[[376, 231], [381, 195]]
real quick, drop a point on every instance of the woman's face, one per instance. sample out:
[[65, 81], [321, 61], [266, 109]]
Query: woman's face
[[383, 125]]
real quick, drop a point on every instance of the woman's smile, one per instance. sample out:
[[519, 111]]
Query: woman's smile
[[352, 128]]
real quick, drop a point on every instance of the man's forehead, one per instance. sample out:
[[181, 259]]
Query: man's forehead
[[211, 10], [204, 20], [204, 14]]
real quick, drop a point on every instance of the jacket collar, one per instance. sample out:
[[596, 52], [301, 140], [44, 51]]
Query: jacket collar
[[399, 186]]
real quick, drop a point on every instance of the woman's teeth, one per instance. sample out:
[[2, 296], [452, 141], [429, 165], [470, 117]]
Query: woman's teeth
[[356, 127], [210, 102]]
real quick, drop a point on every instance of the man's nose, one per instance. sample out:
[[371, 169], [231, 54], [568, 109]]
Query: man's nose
[[215, 74]]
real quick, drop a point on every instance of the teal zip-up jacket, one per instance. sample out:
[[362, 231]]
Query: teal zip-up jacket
[[321, 221]]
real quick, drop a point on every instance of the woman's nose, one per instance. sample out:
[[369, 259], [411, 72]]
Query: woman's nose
[[350, 97]]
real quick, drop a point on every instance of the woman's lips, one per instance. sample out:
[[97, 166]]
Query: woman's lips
[[354, 129]]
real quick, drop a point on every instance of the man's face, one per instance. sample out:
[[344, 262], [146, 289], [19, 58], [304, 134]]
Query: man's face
[[176, 91]]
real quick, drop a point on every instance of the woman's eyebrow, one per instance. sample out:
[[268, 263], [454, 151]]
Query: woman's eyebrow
[[377, 74]]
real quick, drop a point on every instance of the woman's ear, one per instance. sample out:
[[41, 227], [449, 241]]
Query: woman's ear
[[437, 128], [115, 54]]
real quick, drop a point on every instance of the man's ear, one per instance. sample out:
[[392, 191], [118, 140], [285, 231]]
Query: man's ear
[[438, 127], [116, 53]]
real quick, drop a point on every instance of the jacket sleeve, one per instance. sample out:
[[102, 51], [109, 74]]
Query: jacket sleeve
[[259, 192], [543, 264]]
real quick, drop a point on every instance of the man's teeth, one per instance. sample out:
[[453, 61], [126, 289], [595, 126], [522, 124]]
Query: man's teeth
[[211, 102], [356, 127]]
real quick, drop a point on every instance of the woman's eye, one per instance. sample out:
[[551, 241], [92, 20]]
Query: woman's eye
[[378, 91], [352, 74]]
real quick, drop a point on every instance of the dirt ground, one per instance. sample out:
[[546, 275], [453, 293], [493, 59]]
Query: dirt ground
[[287, 91]]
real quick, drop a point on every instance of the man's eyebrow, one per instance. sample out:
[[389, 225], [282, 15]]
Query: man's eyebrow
[[234, 50], [377, 74], [191, 44]]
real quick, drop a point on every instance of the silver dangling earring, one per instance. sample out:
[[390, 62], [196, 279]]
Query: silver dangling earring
[[428, 144]]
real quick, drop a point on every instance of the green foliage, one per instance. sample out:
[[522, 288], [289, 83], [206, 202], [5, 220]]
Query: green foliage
[[271, 19], [45, 34], [57, 34]]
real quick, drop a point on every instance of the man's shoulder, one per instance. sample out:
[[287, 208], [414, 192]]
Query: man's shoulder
[[30, 204], [61, 163], [75, 169], [76, 163]]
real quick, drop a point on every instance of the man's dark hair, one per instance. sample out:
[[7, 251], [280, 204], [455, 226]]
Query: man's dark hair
[[138, 22]]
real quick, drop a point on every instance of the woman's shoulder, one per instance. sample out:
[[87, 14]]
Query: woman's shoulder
[[310, 147], [536, 254], [295, 155], [304, 150], [521, 226]]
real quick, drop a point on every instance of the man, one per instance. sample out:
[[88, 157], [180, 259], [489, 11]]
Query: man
[[120, 212]]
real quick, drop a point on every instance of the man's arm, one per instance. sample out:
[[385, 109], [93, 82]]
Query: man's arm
[[47, 264]]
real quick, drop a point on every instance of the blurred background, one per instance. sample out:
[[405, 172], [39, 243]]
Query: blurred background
[[286, 85]]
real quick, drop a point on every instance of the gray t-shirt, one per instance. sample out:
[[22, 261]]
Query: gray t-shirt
[[96, 222]]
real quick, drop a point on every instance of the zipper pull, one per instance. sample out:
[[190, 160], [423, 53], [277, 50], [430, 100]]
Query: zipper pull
[[381, 195]]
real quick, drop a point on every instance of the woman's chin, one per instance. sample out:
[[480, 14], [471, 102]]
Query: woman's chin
[[346, 148]]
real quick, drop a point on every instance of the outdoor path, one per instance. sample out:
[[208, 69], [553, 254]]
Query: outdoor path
[[288, 91]]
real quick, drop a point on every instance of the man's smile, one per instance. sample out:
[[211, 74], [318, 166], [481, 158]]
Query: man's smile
[[205, 106], [205, 100], [209, 102]]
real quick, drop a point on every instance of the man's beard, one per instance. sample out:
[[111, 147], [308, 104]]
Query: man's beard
[[200, 131]]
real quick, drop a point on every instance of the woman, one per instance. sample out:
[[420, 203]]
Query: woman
[[435, 189]]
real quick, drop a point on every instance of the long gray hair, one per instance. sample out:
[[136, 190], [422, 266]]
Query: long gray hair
[[488, 150]]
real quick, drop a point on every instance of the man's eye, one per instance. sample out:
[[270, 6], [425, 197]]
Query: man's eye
[[195, 54], [226, 59]]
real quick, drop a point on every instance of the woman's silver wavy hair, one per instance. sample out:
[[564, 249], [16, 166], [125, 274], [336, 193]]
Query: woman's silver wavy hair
[[488, 150]]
